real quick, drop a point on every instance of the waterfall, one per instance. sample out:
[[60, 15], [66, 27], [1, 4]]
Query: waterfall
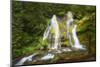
[[70, 23], [54, 25], [77, 43]]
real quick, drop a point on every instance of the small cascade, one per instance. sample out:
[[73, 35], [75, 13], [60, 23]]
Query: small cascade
[[23, 60], [48, 56]]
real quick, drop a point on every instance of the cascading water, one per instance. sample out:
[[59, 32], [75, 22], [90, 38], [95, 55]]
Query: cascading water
[[77, 43], [48, 56], [68, 25], [55, 26], [68, 34], [46, 33], [23, 60], [74, 35]]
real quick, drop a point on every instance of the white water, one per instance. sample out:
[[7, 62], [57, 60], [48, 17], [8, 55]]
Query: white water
[[48, 56], [66, 50], [29, 58], [46, 33], [68, 34], [70, 23], [77, 43], [55, 26]]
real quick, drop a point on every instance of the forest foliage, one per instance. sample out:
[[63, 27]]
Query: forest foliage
[[29, 21]]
